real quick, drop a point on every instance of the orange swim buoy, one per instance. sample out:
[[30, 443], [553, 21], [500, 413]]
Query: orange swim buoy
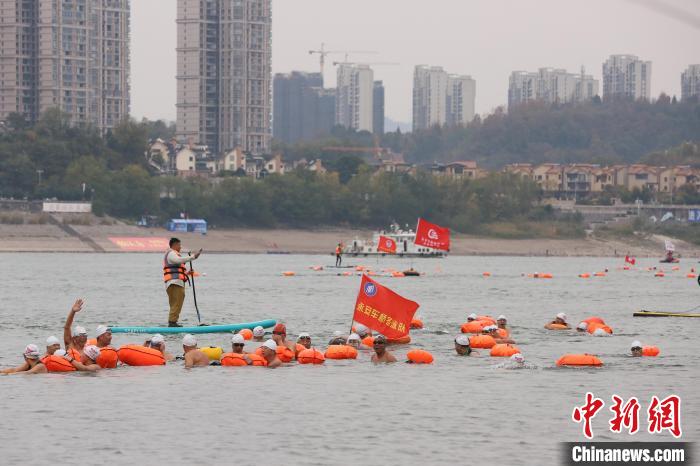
[[288, 273], [233, 359], [594, 319], [600, 274], [92, 341], [397, 274], [482, 341], [108, 358], [659, 274], [340, 352], [558, 327], [502, 350], [55, 363], [246, 333], [419, 357], [311, 356], [650, 351], [284, 354], [486, 274], [416, 323], [579, 360], [489, 319], [368, 341], [593, 326], [74, 353], [299, 348], [475, 326], [404, 340], [691, 275], [137, 355], [584, 275]]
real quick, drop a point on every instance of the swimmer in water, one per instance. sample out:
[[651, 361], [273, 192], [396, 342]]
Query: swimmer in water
[[279, 335], [363, 331], [237, 345], [304, 340], [471, 317], [32, 362], [52, 344], [157, 342], [269, 350], [88, 360], [258, 333], [636, 349], [502, 323], [492, 330], [560, 319], [517, 361], [462, 346], [103, 336], [193, 356], [77, 337], [355, 341], [582, 327], [380, 353]]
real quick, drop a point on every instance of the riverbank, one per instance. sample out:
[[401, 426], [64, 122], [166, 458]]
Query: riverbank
[[59, 237]]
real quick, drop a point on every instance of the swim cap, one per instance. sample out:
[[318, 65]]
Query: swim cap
[[258, 331], [471, 316], [157, 339], [270, 344], [582, 326], [501, 317], [517, 357], [92, 352], [361, 330], [189, 340], [462, 340], [31, 351], [636, 344], [354, 336], [304, 335], [52, 341], [237, 338], [561, 316], [101, 330], [59, 352], [280, 329], [79, 331]]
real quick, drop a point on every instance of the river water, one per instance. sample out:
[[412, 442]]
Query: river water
[[345, 411]]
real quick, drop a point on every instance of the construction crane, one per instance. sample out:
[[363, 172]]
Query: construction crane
[[336, 63], [322, 53]]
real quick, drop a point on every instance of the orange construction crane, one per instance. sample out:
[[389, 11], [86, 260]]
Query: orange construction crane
[[322, 52]]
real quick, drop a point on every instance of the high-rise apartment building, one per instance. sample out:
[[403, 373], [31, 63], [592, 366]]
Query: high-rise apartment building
[[355, 97], [626, 76], [441, 99], [550, 85], [690, 83], [67, 54], [302, 108], [378, 108], [224, 73]]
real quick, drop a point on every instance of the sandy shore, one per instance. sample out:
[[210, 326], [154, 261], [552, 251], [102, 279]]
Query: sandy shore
[[53, 238]]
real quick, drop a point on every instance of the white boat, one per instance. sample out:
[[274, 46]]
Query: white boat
[[405, 246]]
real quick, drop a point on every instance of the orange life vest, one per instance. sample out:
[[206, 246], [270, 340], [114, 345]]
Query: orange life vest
[[338, 250], [173, 271]]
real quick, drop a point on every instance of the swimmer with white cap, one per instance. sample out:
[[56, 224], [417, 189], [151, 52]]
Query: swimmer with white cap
[[471, 317], [462, 345], [157, 342], [193, 357], [32, 362], [237, 345], [340, 339], [103, 334], [492, 330], [636, 348], [582, 327], [258, 333], [74, 338], [362, 330], [269, 350], [304, 340], [559, 323], [88, 360], [355, 341], [52, 345], [502, 323]]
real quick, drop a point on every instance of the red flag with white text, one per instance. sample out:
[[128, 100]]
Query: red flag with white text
[[432, 235], [386, 245], [382, 310]]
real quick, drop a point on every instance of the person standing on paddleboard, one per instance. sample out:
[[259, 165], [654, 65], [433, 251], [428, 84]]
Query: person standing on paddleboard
[[339, 255], [175, 276]]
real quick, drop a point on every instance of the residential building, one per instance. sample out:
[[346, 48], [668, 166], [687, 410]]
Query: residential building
[[355, 97], [522, 88], [690, 83], [69, 54], [378, 108], [626, 76], [550, 85], [233, 160], [549, 177], [441, 99], [224, 74]]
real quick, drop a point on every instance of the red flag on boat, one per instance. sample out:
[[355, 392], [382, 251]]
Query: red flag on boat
[[630, 260], [382, 310], [386, 245], [432, 235]]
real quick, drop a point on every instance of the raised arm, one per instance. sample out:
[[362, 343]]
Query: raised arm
[[175, 259], [77, 306]]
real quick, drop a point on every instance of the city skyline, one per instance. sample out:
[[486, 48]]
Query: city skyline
[[559, 40]]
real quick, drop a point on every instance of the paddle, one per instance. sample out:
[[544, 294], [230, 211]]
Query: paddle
[[194, 293]]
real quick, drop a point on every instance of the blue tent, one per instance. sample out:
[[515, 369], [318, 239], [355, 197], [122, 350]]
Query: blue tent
[[195, 225]]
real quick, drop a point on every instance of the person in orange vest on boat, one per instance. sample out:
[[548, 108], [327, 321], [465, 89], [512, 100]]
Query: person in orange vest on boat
[[339, 255], [175, 276]]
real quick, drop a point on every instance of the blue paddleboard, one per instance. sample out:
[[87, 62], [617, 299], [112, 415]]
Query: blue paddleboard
[[226, 328]]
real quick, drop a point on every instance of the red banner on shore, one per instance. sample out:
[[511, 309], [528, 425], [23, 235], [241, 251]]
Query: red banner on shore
[[432, 235], [135, 244], [386, 245], [382, 310]]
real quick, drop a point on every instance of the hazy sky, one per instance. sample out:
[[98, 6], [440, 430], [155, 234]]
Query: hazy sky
[[487, 39]]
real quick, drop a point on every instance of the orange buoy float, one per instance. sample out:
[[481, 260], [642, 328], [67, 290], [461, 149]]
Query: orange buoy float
[[594, 326], [419, 357], [368, 341], [404, 340], [691, 275], [584, 275], [397, 274], [486, 274], [504, 350], [284, 354], [55, 363], [416, 324], [311, 356], [579, 360], [659, 274], [599, 274], [233, 359], [675, 268], [341, 352], [74, 353], [594, 319], [137, 355], [91, 341], [288, 273], [108, 358], [475, 326], [246, 333], [299, 348], [650, 351], [359, 268], [482, 341], [489, 319]]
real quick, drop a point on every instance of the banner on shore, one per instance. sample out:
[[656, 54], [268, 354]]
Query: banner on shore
[[135, 244], [382, 310]]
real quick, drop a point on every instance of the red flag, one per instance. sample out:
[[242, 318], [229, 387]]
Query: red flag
[[386, 245], [382, 310], [433, 236], [630, 260]]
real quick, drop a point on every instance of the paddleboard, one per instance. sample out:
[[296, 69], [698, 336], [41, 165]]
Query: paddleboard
[[663, 314], [225, 328]]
